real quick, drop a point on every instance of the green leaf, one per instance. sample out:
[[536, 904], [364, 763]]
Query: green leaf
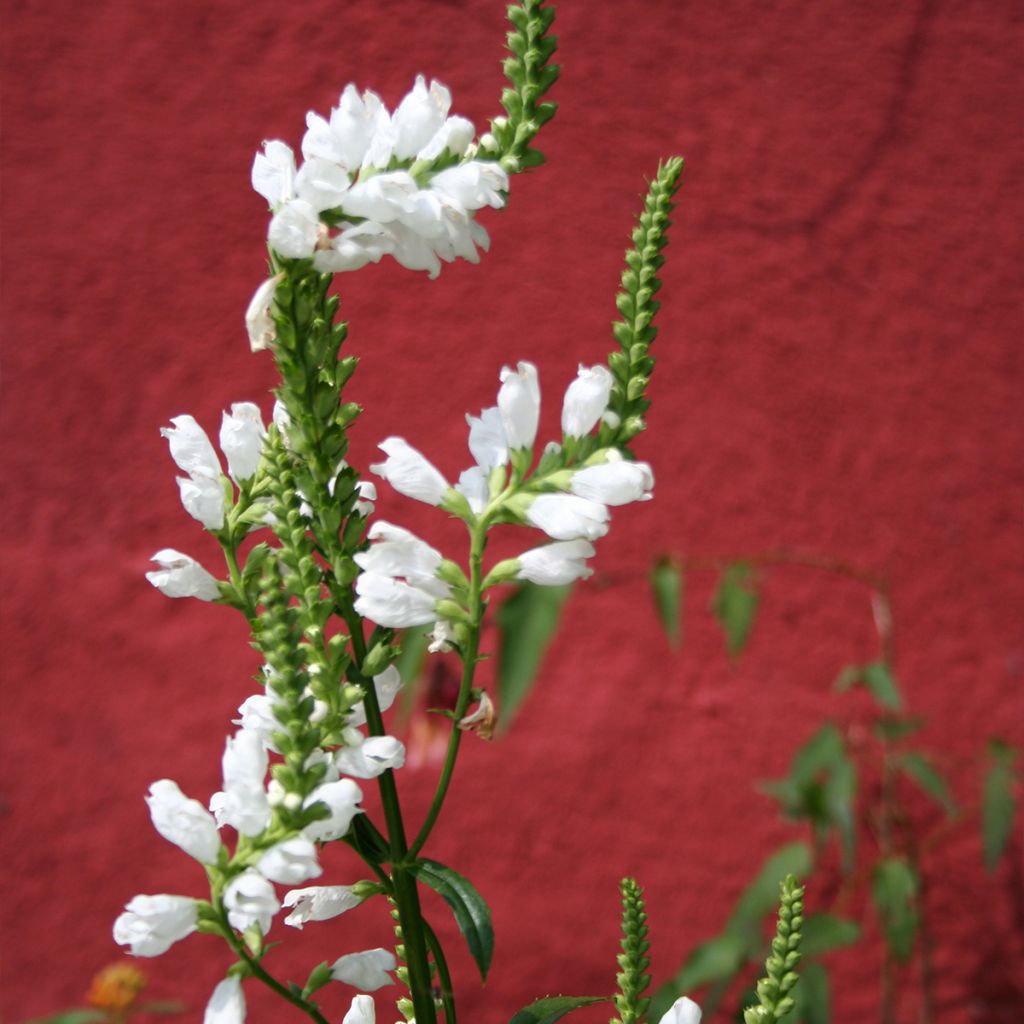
[[735, 604], [72, 1017], [824, 932], [471, 912], [812, 995], [762, 895], [667, 590], [918, 768], [318, 977], [894, 888], [367, 841], [546, 1011], [877, 679], [893, 729], [717, 960], [526, 622], [997, 802]]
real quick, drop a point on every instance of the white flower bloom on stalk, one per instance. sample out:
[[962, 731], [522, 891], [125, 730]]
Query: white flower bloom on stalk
[[568, 517], [356, 246], [290, 862], [318, 903], [683, 1011], [259, 324], [473, 486], [181, 576], [202, 493], [586, 400], [386, 685], [362, 1011], [615, 482], [227, 1003], [419, 117], [474, 184], [346, 138], [367, 970], [273, 173], [257, 717], [250, 899], [294, 230], [241, 439], [367, 492], [553, 565], [393, 603], [487, 442], [374, 756], [183, 821], [410, 473], [150, 925], [243, 803], [342, 799], [519, 404]]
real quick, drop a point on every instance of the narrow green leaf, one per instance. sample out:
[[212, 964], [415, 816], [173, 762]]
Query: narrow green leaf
[[667, 590], [893, 729], [471, 912], [762, 895], [877, 679], [547, 1011], [812, 995], [72, 1017], [735, 605], [824, 932], [997, 802], [526, 622], [718, 960], [894, 888], [918, 768]]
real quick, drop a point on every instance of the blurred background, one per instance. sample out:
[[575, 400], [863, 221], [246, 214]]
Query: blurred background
[[839, 374]]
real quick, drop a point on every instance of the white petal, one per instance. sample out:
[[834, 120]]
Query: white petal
[[250, 899], [183, 821], [387, 686], [273, 173], [683, 1011], [294, 230], [202, 497], [361, 1011], [291, 862], [190, 447], [367, 970], [150, 925], [181, 576], [519, 404], [568, 517], [419, 116], [614, 483], [258, 322], [553, 565], [371, 758], [321, 183], [409, 472], [474, 488], [318, 903], [487, 442], [342, 800], [227, 1004], [586, 399], [393, 603]]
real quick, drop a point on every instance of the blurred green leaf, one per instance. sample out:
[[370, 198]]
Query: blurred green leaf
[[72, 1017], [896, 728], [812, 995], [997, 802], [894, 887], [526, 622], [717, 960], [471, 912], [734, 604], [667, 583], [762, 895], [547, 1011], [877, 679], [822, 933], [918, 768], [409, 662]]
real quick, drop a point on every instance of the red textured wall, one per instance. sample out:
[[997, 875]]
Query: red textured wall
[[839, 371]]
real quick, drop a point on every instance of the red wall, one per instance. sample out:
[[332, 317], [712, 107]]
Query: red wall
[[839, 371]]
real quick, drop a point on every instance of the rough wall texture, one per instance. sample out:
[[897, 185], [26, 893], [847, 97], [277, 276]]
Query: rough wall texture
[[839, 371]]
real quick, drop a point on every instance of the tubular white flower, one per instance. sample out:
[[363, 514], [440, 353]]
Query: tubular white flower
[[413, 251], [250, 899], [454, 136], [487, 442], [190, 447], [227, 1003], [183, 821], [259, 324], [367, 970], [614, 482], [290, 862], [553, 565], [473, 486], [356, 246], [202, 497], [474, 184], [241, 439], [321, 183], [362, 1011], [568, 517], [150, 925], [273, 173], [397, 552], [386, 684], [410, 473], [683, 1011], [586, 399], [374, 756], [346, 138], [342, 799], [318, 903], [393, 603], [382, 198], [243, 803], [419, 116], [257, 717], [181, 576], [367, 491], [294, 230], [519, 404]]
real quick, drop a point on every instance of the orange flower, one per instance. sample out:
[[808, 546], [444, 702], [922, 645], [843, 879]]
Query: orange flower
[[115, 989]]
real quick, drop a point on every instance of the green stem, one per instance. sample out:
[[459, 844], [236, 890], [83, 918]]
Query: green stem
[[443, 975]]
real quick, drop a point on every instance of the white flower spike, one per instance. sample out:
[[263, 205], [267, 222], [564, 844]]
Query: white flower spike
[[150, 925]]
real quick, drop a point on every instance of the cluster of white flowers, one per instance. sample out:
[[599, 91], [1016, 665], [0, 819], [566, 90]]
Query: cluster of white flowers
[[400, 585]]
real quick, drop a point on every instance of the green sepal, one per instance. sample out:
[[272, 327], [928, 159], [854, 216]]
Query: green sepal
[[318, 977]]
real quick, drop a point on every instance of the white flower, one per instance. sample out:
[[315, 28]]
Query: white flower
[[202, 497], [374, 756], [250, 899], [683, 1011], [258, 321], [227, 1004], [294, 230], [553, 565], [519, 404], [393, 603], [362, 1011], [473, 184], [257, 716], [413, 251], [241, 439], [342, 800], [318, 903], [273, 173], [382, 198], [473, 486], [586, 399], [180, 576], [243, 803], [419, 116], [346, 138], [367, 970], [441, 637], [487, 442], [386, 685], [182, 821], [150, 925], [190, 447], [409, 472], [356, 246], [367, 491], [290, 862], [615, 482], [454, 136], [398, 552], [321, 183], [568, 517]]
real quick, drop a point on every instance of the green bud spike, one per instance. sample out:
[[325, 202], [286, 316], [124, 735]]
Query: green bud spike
[[773, 989], [633, 960]]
